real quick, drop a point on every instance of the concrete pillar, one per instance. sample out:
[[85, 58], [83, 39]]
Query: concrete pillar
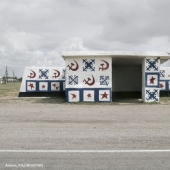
[[150, 79]]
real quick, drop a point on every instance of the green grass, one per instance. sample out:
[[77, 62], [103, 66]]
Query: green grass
[[165, 99], [52, 100], [10, 89]]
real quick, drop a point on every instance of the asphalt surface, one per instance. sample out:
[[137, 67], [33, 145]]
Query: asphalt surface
[[37, 126], [53, 161]]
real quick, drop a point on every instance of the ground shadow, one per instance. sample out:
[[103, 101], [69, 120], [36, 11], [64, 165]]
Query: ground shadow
[[52, 100], [127, 101]]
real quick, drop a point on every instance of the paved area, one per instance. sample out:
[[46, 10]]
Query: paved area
[[53, 161], [26, 125]]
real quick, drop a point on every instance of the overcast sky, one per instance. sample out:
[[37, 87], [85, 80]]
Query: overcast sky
[[36, 32]]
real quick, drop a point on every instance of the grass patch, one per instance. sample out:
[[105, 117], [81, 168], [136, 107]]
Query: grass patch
[[165, 99], [11, 90], [51, 100]]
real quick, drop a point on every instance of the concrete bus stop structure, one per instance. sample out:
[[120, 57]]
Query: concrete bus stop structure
[[164, 81], [101, 76], [43, 82]]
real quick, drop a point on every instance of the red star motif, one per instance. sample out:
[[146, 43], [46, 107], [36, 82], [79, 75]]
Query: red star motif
[[43, 86], [54, 85], [31, 85], [104, 95], [73, 96], [161, 86], [89, 95], [152, 80]]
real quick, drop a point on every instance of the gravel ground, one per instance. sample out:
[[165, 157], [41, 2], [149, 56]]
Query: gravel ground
[[26, 124]]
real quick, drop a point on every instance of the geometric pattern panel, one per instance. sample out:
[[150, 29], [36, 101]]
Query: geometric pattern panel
[[43, 86], [104, 80], [89, 65], [73, 80], [88, 95], [104, 95], [162, 85], [152, 80], [55, 86], [73, 96], [43, 73], [152, 94], [152, 65], [162, 73]]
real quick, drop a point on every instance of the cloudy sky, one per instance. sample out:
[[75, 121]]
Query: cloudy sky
[[36, 32]]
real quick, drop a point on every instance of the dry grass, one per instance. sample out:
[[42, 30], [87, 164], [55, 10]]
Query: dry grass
[[165, 100], [9, 90]]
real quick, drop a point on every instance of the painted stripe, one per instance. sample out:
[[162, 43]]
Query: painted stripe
[[83, 151]]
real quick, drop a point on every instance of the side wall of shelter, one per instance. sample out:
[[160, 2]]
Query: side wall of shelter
[[164, 83], [88, 79], [42, 81]]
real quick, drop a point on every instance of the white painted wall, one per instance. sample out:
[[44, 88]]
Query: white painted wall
[[32, 73], [143, 80], [84, 75], [167, 73]]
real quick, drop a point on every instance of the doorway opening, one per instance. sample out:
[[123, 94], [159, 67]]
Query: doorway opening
[[126, 80]]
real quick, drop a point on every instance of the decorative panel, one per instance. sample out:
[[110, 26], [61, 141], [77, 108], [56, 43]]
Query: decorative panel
[[151, 78], [152, 94], [89, 73], [162, 85], [73, 96], [88, 95], [43, 79]]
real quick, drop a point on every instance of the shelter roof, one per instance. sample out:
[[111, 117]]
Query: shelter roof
[[130, 54]]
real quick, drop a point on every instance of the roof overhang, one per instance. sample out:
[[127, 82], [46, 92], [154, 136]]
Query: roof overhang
[[120, 57]]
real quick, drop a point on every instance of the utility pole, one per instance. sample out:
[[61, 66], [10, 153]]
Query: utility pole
[[6, 76], [13, 76]]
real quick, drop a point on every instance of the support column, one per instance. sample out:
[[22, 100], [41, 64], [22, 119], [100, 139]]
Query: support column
[[150, 79]]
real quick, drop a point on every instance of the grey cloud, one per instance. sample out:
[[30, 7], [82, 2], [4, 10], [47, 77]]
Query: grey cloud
[[136, 22], [36, 32]]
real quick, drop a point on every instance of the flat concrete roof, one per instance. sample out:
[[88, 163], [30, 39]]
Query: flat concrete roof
[[120, 57], [121, 54]]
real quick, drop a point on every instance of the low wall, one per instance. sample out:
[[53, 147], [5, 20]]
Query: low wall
[[42, 81]]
